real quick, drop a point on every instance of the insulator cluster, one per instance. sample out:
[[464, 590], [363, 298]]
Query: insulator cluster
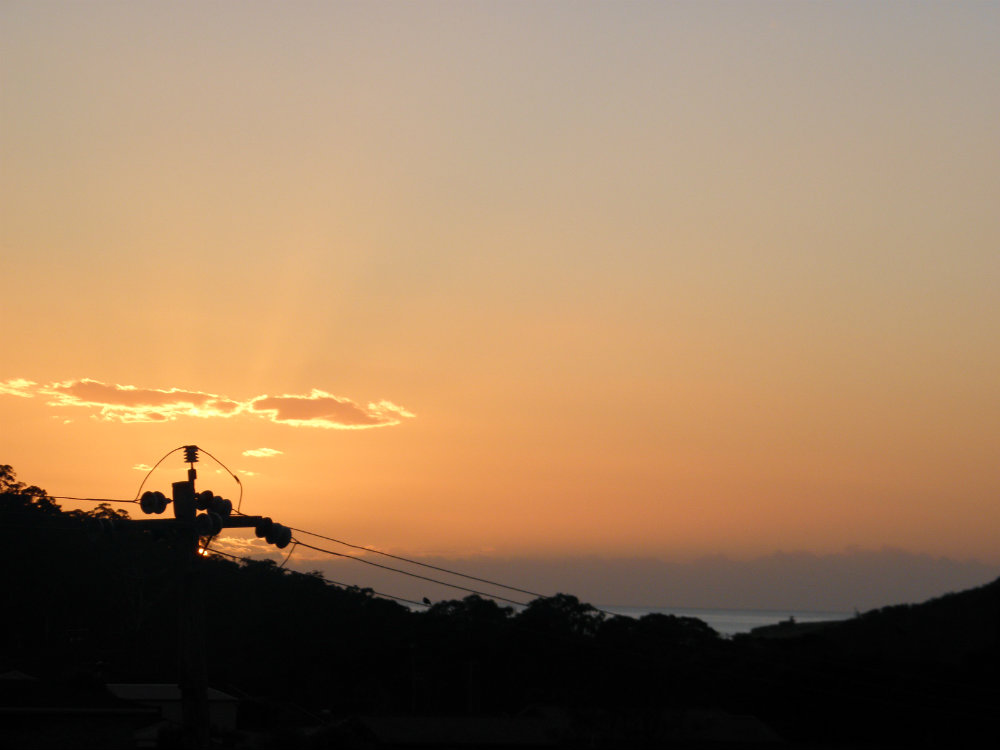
[[216, 508], [273, 533], [211, 522], [191, 454], [153, 502], [214, 504]]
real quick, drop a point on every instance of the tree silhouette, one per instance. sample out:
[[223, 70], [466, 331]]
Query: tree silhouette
[[83, 605]]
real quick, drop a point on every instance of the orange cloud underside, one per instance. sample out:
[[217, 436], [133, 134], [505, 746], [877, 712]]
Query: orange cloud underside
[[126, 403]]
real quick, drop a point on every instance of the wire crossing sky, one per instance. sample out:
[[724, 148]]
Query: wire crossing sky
[[513, 279]]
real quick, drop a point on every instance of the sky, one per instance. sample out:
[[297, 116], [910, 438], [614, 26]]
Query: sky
[[511, 279]]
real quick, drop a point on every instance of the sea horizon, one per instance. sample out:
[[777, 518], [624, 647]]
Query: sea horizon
[[727, 622], [731, 621]]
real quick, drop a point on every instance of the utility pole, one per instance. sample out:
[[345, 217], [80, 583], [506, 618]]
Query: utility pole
[[192, 671], [186, 528]]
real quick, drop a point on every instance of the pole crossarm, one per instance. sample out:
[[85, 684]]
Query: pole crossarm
[[152, 524]]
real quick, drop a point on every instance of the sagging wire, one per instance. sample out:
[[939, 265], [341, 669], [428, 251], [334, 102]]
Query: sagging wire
[[422, 564], [188, 449], [239, 501], [143, 483], [347, 586], [289, 555], [412, 575], [89, 499]]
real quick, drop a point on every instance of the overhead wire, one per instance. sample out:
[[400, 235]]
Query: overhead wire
[[231, 473], [325, 579], [360, 548], [574, 637], [89, 499], [410, 561], [289, 555], [239, 501], [341, 542], [297, 542], [421, 564], [143, 483], [487, 581], [411, 574]]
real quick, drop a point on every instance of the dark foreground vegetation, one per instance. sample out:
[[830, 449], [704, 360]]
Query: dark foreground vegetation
[[320, 666]]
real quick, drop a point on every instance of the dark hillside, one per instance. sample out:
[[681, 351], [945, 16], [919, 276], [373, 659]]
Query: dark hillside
[[85, 606]]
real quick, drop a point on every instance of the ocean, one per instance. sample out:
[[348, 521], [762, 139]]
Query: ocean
[[729, 622]]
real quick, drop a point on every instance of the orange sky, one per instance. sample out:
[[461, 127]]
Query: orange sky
[[601, 278]]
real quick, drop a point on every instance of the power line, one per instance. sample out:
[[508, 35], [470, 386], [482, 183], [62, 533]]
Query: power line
[[148, 473], [361, 548], [411, 561], [239, 501], [422, 564], [412, 575], [192, 450], [89, 499], [432, 567], [297, 542], [289, 555], [325, 579]]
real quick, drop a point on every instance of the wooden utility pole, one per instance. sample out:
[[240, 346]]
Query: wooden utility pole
[[186, 528], [192, 672]]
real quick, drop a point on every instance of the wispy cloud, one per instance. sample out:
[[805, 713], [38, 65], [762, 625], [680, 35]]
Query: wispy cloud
[[262, 452], [321, 409], [244, 547], [127, 403], [17, 387], [256, 548]]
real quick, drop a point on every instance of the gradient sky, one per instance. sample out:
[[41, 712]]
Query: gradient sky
[[652, 279]]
